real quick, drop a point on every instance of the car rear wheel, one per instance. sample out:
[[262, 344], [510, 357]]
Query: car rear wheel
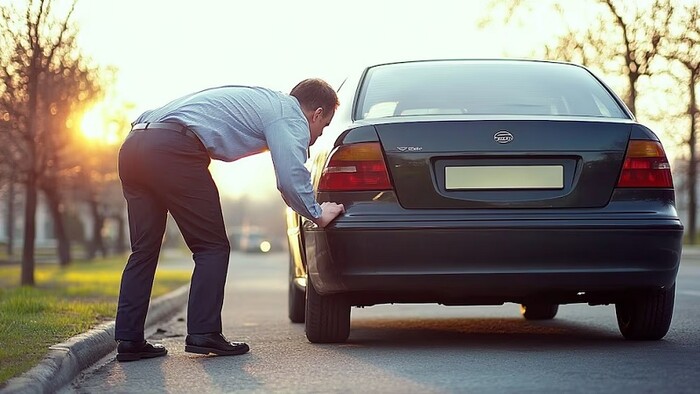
[[647, 314], [327, 317], [539, 311], [296, 298]]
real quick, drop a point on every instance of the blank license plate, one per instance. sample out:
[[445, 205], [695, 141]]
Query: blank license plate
[[504, 177]]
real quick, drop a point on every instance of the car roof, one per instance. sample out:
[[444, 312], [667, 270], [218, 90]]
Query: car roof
[[478, 60]]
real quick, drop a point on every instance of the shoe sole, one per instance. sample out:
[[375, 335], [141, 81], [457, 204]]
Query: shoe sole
[[218, 352], [138, 356]]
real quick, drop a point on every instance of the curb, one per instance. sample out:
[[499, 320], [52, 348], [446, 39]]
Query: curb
[[66, 360]]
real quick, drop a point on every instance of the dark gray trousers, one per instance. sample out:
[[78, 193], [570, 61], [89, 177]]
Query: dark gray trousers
[[164, 171]]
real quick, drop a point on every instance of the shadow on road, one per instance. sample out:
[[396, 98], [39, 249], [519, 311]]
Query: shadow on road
[[499, 333], [509, 355]]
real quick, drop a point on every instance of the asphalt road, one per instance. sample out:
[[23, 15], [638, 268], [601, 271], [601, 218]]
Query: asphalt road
[[417, 348]]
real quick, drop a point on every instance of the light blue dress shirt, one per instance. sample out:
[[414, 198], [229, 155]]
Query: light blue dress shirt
[[238, 121]]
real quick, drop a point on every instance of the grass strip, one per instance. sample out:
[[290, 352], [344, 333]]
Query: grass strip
[[64, 302]]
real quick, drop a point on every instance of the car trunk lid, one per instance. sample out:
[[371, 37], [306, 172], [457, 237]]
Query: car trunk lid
[[504, 163]]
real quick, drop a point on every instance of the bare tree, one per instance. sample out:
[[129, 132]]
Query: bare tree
[[681, 46], [95, 174], [66, 94], [635, 31], [622, 39], [39, 50]]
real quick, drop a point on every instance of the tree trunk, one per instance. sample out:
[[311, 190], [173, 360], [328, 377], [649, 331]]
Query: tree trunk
[[59, 226], [11, 218], [692, 187], [120, 246], [692, 160], [96, 241], [632, 101], [29, 231], [31, 184]]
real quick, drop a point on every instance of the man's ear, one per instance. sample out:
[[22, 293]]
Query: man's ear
[[318, 114]]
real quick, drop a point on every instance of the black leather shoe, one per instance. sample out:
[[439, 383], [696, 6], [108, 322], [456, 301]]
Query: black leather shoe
[[214, 343], [136, 350]]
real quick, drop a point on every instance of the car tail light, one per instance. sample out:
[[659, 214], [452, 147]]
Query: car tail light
[[356, 167], [645, 166]]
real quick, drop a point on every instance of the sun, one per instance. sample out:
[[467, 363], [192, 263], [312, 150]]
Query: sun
[[97, 126], [92, 125]]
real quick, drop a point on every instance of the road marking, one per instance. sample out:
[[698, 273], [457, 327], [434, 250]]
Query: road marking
[[691, 292]]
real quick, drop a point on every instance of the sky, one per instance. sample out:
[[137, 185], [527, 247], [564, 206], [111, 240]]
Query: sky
[[164, 49]]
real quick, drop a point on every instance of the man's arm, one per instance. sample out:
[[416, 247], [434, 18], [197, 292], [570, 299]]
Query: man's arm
[[288, 141]]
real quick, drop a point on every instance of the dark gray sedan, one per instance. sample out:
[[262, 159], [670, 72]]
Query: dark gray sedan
[[480, 182]]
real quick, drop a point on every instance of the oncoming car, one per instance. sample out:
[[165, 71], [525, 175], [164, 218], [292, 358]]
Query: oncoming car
[[249, 240], [481, 182]]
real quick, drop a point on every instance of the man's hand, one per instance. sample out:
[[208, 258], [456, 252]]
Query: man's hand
[[329, 211]]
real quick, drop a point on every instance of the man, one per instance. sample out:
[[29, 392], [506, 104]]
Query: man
[[163, 166]]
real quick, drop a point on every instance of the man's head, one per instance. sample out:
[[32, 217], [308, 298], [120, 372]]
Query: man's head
[[318, 102]]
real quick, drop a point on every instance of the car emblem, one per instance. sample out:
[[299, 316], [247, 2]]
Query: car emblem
[[503, 137], [409, 148]]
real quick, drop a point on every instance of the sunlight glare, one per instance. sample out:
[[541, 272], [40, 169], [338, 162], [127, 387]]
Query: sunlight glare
[[92, 125]]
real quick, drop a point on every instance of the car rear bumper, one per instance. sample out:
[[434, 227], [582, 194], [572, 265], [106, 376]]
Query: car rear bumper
[[493, 262]]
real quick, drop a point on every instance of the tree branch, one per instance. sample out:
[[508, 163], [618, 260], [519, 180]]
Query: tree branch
[[64, 29]]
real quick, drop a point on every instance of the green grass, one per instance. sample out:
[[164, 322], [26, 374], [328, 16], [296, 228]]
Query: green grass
[[64, 303]]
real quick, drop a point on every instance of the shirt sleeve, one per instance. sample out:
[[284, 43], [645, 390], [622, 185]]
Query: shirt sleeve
[[288, 141]]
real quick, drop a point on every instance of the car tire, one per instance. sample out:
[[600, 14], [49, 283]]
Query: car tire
[[327, 317], [539, 311], [296, 300], [647, 315]]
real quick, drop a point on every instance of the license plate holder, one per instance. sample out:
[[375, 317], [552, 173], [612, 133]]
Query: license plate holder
[[537, 177]]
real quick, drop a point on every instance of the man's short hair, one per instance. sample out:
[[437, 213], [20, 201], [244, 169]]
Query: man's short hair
[[313, 93]]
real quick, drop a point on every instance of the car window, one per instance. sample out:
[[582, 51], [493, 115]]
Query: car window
[[483, 88]]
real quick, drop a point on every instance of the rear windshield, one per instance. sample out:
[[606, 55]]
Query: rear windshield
[[483, 88]]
